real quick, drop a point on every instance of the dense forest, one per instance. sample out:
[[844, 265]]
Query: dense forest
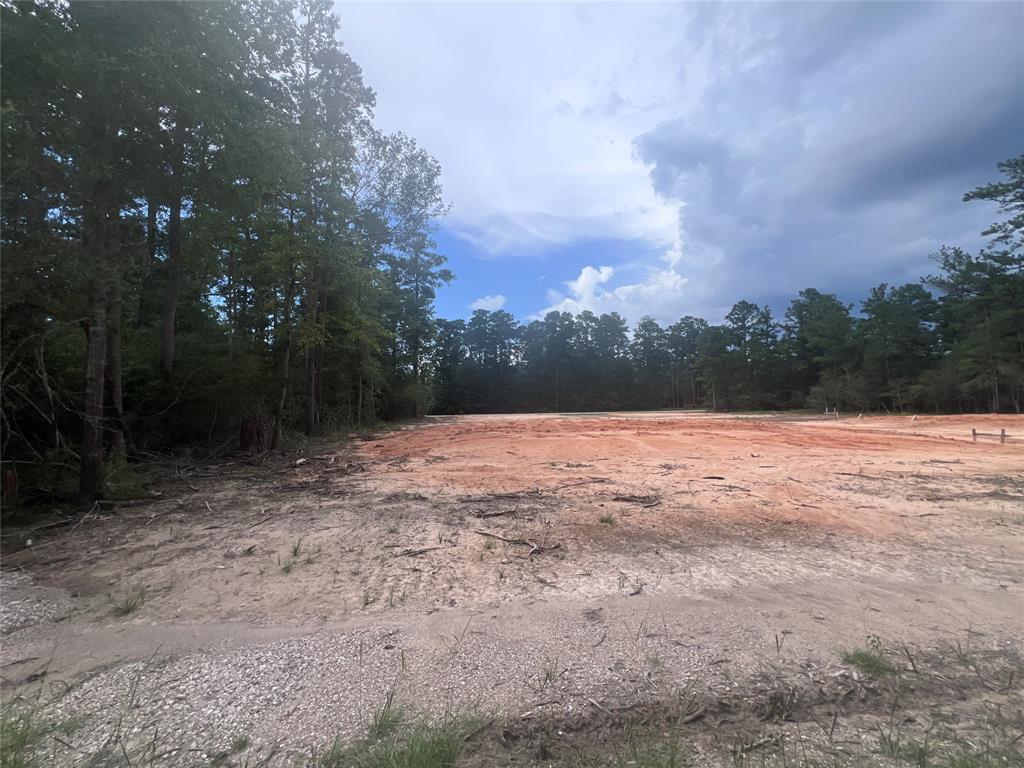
[[207, 244], [202, 228]]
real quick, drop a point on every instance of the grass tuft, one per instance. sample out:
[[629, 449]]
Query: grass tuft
[[128, 602], [870, 662], [21, 732], [24, 729], [396, 742], [388, 719], [656, 753]]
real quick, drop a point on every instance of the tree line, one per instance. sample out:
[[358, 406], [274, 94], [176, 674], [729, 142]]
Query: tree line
[[952, 342], [202, 229]]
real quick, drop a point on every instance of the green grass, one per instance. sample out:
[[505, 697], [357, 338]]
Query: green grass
[[870, 662], [395, 741], [606, 519], [388, 719], [437, 746], [21, 732], [121, 481], [995, 747], [23, 729], [657, 753], [128, 602]]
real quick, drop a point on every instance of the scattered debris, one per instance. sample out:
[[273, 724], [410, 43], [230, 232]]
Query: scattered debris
[[534, 546], [232, 553], [415, 552], [649, 500]]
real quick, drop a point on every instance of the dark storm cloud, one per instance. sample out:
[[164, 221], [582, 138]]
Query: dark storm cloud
[[836, 141]]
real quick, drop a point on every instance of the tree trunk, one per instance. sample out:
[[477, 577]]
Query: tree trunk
[[315, 353], [275, 439], [90, 477], [359, 405], [119, 438], [148, 260], [151, 229], [175, 254]]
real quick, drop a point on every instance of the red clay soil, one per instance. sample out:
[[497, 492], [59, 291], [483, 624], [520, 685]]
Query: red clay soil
[[822, 472]]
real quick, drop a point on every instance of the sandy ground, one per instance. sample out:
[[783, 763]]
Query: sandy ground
[[528, 565]]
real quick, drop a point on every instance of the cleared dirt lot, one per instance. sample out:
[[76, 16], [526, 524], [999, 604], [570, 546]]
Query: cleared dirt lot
[[538, 567]]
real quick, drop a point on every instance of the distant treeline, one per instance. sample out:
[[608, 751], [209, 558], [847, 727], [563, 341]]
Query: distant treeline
[[956, 347]]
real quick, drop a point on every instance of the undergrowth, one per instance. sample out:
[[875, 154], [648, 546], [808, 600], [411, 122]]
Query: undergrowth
[[395, 740], [869, 661]]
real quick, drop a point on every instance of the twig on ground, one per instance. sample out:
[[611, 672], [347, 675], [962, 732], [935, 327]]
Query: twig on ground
[[261, 521], [535, 547], [482, 515], [415, 552]]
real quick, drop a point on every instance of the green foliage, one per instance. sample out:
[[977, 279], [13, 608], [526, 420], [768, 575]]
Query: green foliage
[[396, 742], [652, 753], [388, 719], [123, 481], [127, 602], [870, 661], [24, 730], [204, 183]]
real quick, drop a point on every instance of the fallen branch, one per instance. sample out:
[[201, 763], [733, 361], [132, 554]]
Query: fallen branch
[[260, 522], [415, 552], [763, 742], [483, 515], [643, 501], [493, 496], [535, 547], [588, 481], [231, 553], [697, 714], [20, 661]]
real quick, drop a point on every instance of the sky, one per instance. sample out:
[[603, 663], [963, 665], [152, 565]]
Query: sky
[[667, 160]]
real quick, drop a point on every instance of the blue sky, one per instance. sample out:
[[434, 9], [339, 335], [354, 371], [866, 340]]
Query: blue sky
[[673, 159]]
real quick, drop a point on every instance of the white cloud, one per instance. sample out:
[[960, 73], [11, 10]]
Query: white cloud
[[490, 303], [531, 111], [659, 294], [735, 151]]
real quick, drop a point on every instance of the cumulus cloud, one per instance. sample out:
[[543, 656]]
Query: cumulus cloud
[[490, 303], [734, 151], [657, 294], [522, 106]]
